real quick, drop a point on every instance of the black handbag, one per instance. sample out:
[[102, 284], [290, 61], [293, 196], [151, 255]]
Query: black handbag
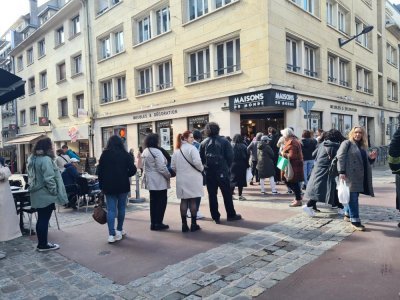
[[202, 172]]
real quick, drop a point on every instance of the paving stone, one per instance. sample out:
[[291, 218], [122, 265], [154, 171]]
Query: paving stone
[[233, 277], [231, 291], [259, 264], [207, 279], [280, 252], [281, 244], [209, 269], [245, 283], [219, 284], [10, 288], [192, 297], [225, 271], [278, 275], [207, 291], [255, 291], [49, 298], [65, 273], [289, 268], [187, 290]]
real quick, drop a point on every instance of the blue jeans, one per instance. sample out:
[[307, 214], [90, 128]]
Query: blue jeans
[[351, 209], [307, 167], [114, 202]]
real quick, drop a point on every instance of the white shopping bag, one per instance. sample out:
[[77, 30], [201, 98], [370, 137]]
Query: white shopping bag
[[343, 192], [249, 175]]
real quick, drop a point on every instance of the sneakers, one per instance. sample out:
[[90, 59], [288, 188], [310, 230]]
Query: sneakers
[[289, 192], [235, 218], [111, 239], [340, 211], [275, 192], [295, 203], [199, 215], [48, 247], [242, 198], [346, 218], [358, 226], [119, 235], [308, 210]]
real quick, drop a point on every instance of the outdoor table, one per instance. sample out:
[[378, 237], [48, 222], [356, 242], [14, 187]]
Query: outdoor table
[[89, 177], [20, 196]]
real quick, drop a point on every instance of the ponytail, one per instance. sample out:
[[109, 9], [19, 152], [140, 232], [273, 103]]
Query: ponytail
[[181, 137]]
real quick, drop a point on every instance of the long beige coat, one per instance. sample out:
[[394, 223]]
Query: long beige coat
[[9, 224], [156, 175], [189, 182]]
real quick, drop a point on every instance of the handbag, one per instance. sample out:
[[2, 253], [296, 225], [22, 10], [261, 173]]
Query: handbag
[[249, 175], [202, 172], [289, 173], [170, 170], [282, 163], [99, 213]]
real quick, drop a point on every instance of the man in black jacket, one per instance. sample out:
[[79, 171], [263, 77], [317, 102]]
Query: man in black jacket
[[394, 163], [216, 154]]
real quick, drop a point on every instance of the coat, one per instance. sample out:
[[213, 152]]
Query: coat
[[239, 166], [61, 161], [226, 156], [156, 175], [9, 223], [321, 185], [114, 171], [265, 164], [394, 162], [45, 183], [307, 147], [351, 164], [292, 151], [252, 150], [189, 182], [70, 175]]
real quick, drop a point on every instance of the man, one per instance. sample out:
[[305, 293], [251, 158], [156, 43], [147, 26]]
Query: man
[[197, 140], [70, 153], [216, 154], [70, 179], [394, 163], [252, 151]]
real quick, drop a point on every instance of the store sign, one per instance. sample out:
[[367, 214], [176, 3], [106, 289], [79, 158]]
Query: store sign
[[44, 121], [198, 120], [343, 108], [73, 133], [156, 114], [263, 99]]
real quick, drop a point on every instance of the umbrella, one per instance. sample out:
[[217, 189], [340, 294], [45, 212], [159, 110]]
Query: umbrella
[[11, 87]]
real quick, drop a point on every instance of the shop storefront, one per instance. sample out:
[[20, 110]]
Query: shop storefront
[[165, 131], [144, 129], [197, 122], [107, 132]]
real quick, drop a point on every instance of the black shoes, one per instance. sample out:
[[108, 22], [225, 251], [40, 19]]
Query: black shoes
[[358, 226], [185, 228], [194, 227], [158, 227], [48, 247], [234, 218], [217, 221]]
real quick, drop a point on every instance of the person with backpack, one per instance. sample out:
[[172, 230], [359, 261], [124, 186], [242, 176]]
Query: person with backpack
[[216, 155]]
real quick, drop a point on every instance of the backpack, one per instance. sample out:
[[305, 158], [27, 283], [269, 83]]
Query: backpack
[[333, 170], [213, 153]]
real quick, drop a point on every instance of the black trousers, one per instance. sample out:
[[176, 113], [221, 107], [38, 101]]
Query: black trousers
[[42, 225], [295, 187], [158, 204], [254, 170], [215, 181]]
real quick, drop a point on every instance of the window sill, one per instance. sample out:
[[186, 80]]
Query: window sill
[[393, 101], [114, 101], [362, 46], [107, 10], [214, 78], [152, 39], [74, 36], [210, 13], [365, 93], [344, 34], [43, 89], [59, 45], [307, 12], [61, 81], [33, 123], [341, 86], [392, 64], [31, 63], [31, 93], [63, 117], [155, 92], [77, 75], [112, 56], [303, 75], [40, 57]]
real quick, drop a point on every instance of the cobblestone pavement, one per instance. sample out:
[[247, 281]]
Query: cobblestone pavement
[[241, 269]]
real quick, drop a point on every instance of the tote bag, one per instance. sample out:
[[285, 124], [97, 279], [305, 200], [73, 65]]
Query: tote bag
[[282, 163]]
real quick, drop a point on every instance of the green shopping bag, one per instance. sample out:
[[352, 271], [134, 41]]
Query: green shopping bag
[[282, 163]]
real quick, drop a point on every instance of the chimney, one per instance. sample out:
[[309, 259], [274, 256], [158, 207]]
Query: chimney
[[33, 12]]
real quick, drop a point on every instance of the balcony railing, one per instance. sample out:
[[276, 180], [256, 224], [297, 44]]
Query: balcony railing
[[198, 77], [332, 79], [145, 90], [227, 70], [344, 83], [367, 90], [310, 73], [292, 68], [164, 86]]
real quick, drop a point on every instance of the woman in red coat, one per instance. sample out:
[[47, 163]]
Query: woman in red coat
[[292, 151]]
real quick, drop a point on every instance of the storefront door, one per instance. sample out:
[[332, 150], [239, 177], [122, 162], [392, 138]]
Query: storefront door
[[250, 124]]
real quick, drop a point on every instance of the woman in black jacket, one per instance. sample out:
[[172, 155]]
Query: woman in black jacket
[[239, 165], [308, 145], [115, 168]]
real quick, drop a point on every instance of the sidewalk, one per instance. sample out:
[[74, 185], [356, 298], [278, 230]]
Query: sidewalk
[[274, 253]]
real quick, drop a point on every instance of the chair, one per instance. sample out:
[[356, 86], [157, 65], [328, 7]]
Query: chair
[[73, 191], [86, 192]]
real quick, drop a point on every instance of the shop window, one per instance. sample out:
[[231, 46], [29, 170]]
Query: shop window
[[197, 122], [315, 121], [107, 132], [343, 123], [144, 129], [164, 129]]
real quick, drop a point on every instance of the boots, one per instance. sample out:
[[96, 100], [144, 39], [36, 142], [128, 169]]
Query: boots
[[185, 227], [194, 227]]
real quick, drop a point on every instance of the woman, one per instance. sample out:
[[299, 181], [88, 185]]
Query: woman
[[46, 188], [308, 145], [156, 179], [292, 151], [322, 184], [8, 215], [61, 160], [272, 134], [186, 162], [139, 162], [115, 167], [394, 164], [265, 165], [252, 151], [354, 166], [239, 166]]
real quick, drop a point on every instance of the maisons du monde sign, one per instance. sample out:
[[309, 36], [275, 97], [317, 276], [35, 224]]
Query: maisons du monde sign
[[263, 98]]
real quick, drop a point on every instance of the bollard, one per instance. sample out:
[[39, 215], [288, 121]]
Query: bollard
[[138, 199]]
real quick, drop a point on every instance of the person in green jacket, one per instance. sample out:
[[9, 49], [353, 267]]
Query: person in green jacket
[[46, 188]]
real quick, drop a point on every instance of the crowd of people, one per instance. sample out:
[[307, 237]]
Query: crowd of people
[[217, 162]]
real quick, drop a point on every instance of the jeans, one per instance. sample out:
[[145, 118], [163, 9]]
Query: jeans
[[351, 209], [158, 205], [114, 202], [42, 225], [307, 167]]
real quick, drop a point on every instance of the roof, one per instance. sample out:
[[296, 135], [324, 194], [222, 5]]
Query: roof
[[11, 87]]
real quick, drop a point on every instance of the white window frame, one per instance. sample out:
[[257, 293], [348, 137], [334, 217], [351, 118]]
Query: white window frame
[[79, 102], [145, 80], [118, 41], [31, 85], [144, 29], [20, 63], [343, 69], [107, 5], [75, 26], [391, 55], [310, 68], [105, 47], [43, 80], [60, 38], [23, 117], [120, 87], [106, 91], [33, 115], [200, 8], [291, 57], [42, 48], [222, 3], [231, 68], [29, 56], [163, 20], [111, 43], [59, 71], [77, 64], [341, 23], [164, 78], [330, 11], [205, 65], [44, 110], [332, 70]]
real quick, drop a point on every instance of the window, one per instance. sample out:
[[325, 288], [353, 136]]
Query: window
[[363, 39], [343, 123], [45, 110], [29, 56], [220, 3], [292, 55], [164, 76], [228, 57], [105, 47], [61, 75], [337, 16], [20, 63], [33, 116], [391, 54], [342, 20], [392, 91], [364, 80], [302, 57], [197, 8], [145, 81], [75, 26], [329, 13], [103, 5], [22, 117], [63, 108], [77, 64], [111, 44], [120, 88], [332, 72], [163, 20], [43, 80], [119, 41], [152, 23], [343, 67], [31, 85], [199, 65], [144, 29], [79, 103], [60, 36], [308, 5], [338, 71], [310, 61], [41, 48], [106, 91]]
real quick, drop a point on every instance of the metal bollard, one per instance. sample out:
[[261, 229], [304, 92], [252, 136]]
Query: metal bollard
[[138, 199]]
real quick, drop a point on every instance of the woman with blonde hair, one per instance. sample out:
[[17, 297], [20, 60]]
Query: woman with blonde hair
[[354, 167]]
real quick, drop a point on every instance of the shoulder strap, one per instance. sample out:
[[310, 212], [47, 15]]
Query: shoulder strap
[[189, 162], [151, 153], [63, 158]]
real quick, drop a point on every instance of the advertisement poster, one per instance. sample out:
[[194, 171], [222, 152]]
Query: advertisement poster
[[165, 138]]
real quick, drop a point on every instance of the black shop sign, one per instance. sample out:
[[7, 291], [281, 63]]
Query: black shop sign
[[264, 98]]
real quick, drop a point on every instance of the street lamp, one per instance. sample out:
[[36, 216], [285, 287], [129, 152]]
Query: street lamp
[[365, 30]]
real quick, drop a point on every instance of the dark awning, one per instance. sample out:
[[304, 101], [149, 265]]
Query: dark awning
[[11, 87]]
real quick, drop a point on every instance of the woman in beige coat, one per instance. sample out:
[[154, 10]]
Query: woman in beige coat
[[8, 214], [186, 162], [155, 179]]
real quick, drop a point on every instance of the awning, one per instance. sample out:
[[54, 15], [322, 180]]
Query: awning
[[11, 87], [27, 139]]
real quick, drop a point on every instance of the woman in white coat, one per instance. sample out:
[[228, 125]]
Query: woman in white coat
[[8, 214], [186, 162], [156, 179]]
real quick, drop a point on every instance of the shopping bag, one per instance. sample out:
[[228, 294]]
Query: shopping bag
[[282, 163], [249, 175], [289, 173], [343, 192]]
